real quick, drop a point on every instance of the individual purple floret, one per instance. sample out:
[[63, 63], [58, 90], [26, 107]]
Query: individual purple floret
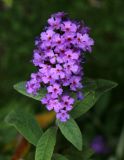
[[80, 95], [63, 116], [59, 57]]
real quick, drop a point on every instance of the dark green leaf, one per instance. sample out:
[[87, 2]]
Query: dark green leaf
[[59, 157], [20, 87], [103, 102], [73, 154], [84, 106], [25, 124], [93, 90], [45, 146], [71, 132]]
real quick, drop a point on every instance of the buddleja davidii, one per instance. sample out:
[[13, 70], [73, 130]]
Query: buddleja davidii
[[58, 55]]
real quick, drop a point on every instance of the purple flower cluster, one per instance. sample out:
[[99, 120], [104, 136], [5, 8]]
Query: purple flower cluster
[[59, 55]]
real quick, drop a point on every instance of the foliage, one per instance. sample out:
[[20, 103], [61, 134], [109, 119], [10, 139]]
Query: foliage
[[28, 127], [19, 24], [25, 124]]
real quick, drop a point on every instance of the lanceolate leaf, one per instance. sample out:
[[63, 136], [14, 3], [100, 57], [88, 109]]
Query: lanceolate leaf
[[71, 132], [72, 153], [45, 146], [99, 86], [20, 87], [25, 124], [59, 157], [84, 105], [120, 146], [93, 90]]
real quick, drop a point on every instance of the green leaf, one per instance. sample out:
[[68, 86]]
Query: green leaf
[[72, 153], [45, 146], [87, 153], [84, 105], [103, 102], [20, 87], [92, 92], [120, 146], [25, 124], [71, 132], [59, 157]]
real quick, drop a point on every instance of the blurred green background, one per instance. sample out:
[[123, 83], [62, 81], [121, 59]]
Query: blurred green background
[[21, 21]]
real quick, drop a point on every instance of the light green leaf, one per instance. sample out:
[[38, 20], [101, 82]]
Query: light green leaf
[[71, 132], [93, 90], [25, 124], [120, 146], [45, 146], [59, 157], [20, 87]]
